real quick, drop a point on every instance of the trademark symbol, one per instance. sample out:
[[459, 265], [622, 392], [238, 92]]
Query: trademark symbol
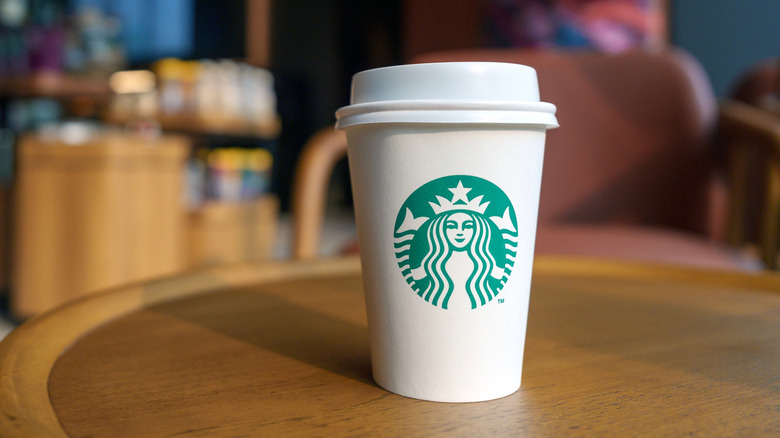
[[500, 301]]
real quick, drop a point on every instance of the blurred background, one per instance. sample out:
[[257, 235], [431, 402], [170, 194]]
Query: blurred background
[[145, 137]]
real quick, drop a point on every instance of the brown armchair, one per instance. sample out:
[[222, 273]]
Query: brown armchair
[[631, 173]]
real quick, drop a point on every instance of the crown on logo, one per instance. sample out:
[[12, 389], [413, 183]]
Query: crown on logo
[[459, 201]]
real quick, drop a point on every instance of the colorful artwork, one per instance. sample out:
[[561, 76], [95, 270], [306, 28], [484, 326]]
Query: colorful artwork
[[606, 25]]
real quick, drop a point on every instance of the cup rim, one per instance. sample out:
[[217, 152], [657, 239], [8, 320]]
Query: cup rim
[[449, 112], [445, 105]]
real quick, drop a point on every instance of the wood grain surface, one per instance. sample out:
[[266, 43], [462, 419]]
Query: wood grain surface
[[613, 349]]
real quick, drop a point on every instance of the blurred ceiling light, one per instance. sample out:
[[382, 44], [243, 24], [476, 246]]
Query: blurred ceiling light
[[132, 81]]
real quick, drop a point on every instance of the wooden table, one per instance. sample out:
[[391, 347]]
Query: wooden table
[[613, 349]]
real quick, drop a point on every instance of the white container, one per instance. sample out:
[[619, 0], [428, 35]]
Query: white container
[[446, 165]]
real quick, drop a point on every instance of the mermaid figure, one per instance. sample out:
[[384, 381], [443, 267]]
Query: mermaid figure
[[459, 251]]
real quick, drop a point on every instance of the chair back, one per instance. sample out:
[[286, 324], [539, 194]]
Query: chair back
[[633, 143]]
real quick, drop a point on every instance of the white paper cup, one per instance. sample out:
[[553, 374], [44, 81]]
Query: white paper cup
[[446, 165]]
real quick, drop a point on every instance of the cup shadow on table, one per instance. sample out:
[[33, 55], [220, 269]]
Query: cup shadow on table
[[268, 321], [717, 346]]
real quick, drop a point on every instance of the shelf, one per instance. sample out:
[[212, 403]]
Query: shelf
[[195, 124], [53, 85]]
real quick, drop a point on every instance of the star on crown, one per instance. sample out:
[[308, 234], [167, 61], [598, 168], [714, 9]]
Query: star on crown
[[459, 201]]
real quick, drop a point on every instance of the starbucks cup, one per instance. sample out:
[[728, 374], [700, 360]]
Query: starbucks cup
[[446, 166]]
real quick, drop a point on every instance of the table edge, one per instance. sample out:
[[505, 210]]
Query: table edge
[[624, 269], [28, 354]]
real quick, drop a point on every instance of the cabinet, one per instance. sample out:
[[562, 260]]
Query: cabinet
[[111, 211], [96, 215]]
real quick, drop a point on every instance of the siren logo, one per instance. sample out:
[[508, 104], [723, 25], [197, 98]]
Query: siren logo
[[456, 241]]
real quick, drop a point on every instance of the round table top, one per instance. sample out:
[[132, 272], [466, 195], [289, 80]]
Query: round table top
[[282, 349]]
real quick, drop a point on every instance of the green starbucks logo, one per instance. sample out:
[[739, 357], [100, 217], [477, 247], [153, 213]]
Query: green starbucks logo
[[456, 241]]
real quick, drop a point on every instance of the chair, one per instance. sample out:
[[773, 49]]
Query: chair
[[631, 173], [760, 85], [315, 166], [759, 89]]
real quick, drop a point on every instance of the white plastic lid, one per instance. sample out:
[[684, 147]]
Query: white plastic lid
[[449, 92]]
